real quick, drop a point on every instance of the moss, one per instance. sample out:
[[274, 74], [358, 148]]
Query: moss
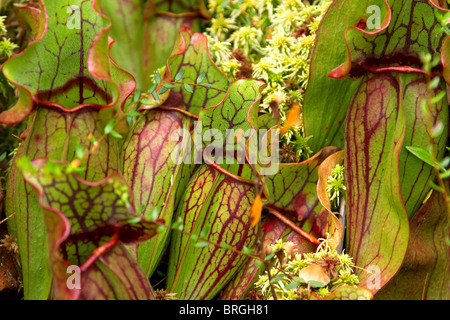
[[289, 286], [276, 38]]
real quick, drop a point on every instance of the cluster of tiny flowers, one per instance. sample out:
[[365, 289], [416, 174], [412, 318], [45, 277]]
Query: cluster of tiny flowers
[[336, 186], [6, 50], [6, 46], [277, 37], [339, 266]]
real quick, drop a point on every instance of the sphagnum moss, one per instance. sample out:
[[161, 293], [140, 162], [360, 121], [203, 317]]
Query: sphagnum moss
[[277, 37], [289, 285]]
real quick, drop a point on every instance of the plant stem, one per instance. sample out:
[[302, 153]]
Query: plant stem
[[198, 85], [293, 226], [4, 220]]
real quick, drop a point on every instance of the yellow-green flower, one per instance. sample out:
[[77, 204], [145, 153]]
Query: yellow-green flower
[[288, 284], [346, 277], [264, 68], [287, 17], [6, 47], [220, 26], [220, 50], [247, 39], [2, 26], [281, 41], [335, 185]]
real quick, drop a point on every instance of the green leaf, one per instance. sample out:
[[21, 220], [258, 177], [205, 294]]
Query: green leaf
[[316, 284], [205, 232], [52, 168], [277, 278], [79, 151], [76, 227], [211, 199], [24, 163], [179, 75], [140, 209], [436, 187], [225, 246], [178, 225], [134, 220], [326, 99], [153, 215], [137, 95], [425, 271], [3, 156], [133, 114], [201, 77], [445, 175], [224, 4], [202, 244], [445, 162], [110, 126], [115, 134], [292, 285], [293, 183], [147, 102], [169, 85], [60, 144], [423, 155], [56, 69], [190, 54], [362, 45], [162, 179], [344, 50], [269, 257], [259, 264], [152, 88], [140, 48], [235, 112], [247, 250], [434, 83], [416, 174], [437, 130], [157, 77], [374, 200], [163, 89], [188, 88], [120, 270]]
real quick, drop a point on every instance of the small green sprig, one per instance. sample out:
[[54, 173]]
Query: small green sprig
[[336, 186], [290, 285], [6, 46]]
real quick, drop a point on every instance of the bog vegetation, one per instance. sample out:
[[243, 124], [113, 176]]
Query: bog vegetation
[[120, 178]]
